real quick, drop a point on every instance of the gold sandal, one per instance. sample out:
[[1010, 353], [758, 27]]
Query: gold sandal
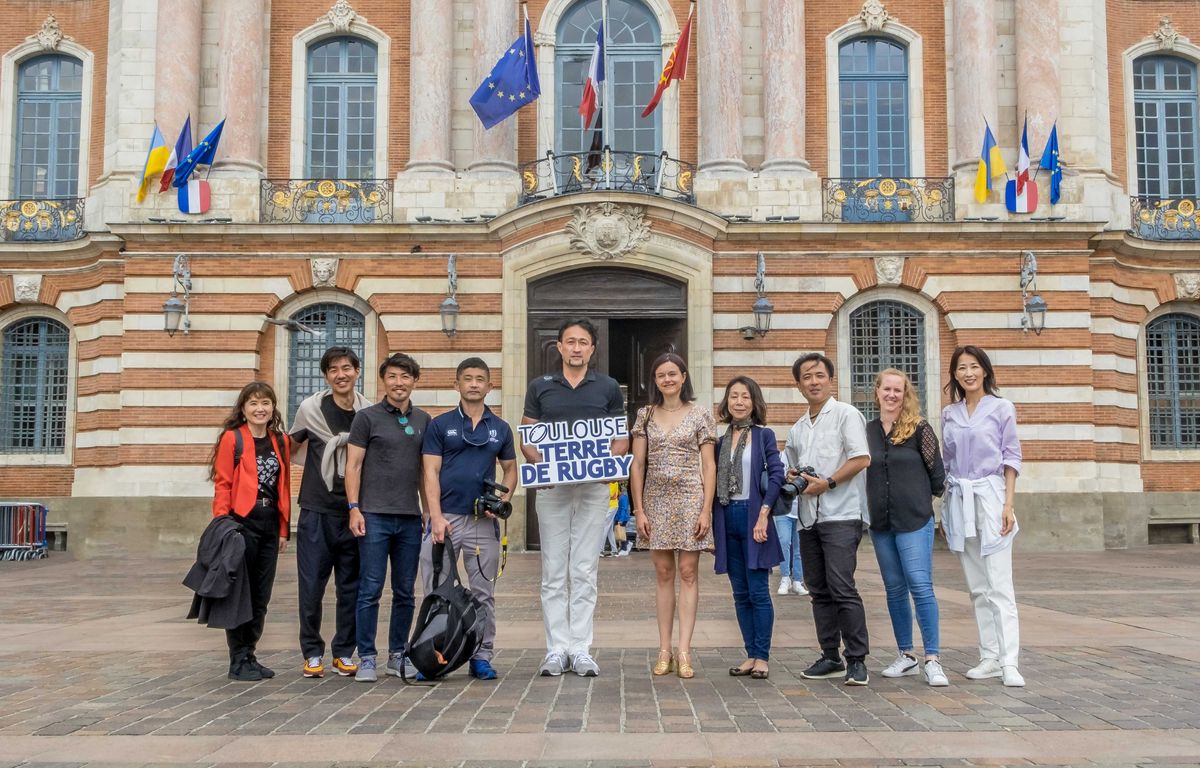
[[684, 666], [665, 664]]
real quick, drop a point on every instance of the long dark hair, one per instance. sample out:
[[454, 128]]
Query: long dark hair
[[685, 391], [758, 413], [236, 419], [989, 375]]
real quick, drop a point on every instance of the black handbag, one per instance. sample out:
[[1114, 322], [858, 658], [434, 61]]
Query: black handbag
[[782, 507], [449, 627]]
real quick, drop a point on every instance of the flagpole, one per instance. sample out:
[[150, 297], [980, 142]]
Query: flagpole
[[606, 96]]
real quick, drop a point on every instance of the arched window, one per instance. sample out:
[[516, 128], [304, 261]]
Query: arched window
[[1173, 381], [336, 325], [634, 63], [1164, 108], [341, 109], [873, 81], [885, 334], [49, 104], [33, 409]]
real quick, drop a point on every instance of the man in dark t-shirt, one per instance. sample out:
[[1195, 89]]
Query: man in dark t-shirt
[[324, 544]]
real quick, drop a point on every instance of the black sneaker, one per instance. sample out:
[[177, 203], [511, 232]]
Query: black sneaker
[[856, 673], [823, 668], [245, 672], [266, 672]]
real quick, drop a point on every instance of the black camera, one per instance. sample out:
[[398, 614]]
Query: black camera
[[490, 501], [793, 488]]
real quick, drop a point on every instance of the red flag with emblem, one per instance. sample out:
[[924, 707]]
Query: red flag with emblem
[[676, 68]]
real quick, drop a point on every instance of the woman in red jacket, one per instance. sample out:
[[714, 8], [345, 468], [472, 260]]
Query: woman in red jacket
[[249, 470]]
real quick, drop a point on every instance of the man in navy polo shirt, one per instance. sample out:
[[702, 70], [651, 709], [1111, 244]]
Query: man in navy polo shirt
[[571, 518], [460, 451]]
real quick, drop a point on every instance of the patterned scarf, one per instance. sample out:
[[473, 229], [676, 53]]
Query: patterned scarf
[[729, 464]]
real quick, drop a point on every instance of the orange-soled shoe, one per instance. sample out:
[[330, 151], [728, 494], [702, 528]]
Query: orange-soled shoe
[[344, 666], [314, 667]]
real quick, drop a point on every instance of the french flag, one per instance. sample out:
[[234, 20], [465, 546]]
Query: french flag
[[195, 196], [591, 88], [1021, 194]]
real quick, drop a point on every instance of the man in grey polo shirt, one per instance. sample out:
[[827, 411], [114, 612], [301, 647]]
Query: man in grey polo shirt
[[383, 483], [571, 518], [831, 437]]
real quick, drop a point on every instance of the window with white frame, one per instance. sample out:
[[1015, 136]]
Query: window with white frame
[[1164, 111], [33, 379], [885, 334], [335, 325], [1173, 381], [873, 85], [49, 107], [342, 82]]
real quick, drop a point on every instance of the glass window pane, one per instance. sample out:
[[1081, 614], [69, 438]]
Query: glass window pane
[[35, 374], [885, 334], [336, 325]]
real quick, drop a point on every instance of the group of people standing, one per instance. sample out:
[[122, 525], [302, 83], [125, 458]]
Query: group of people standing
[[383, 482]]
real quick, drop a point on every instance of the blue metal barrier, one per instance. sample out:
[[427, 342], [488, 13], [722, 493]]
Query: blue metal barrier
[[22, 530]]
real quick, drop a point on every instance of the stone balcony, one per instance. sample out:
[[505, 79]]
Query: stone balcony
[[604, 171], [42, 220], [887, 200], [326, 201]]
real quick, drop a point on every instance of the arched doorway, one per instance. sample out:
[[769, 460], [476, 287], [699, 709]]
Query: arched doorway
[[638, 316]]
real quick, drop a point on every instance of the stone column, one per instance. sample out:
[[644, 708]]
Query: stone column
[[495, 27], [240, 74], [1037, 69], [783, 87], [720, 54], [975, 79], [430, 83], [177, 66]]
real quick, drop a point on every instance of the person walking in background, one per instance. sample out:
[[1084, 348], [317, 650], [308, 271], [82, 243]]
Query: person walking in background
[[251, 481], [671, 484], [324, 543], [983, 460], [749, 475], [831, 438], [791, 570], [905, 474], [383, 487]]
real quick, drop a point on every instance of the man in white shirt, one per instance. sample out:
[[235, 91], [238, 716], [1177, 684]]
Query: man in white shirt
[[831, 437]]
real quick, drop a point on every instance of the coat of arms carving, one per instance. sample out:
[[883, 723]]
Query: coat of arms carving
[[608, 231]]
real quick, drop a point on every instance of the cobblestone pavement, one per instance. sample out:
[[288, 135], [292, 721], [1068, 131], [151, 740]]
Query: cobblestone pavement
[[97, 666]]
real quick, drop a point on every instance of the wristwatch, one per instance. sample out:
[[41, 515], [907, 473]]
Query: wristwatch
[[832, 482]]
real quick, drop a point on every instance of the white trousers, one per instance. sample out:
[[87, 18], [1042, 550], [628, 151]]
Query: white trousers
[[990, 581], [571, 520]]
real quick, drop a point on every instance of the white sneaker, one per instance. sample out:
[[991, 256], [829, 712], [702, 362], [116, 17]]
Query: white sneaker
[[935, 675], [903, 665], [985, 669], [584, 665], [785, 586], [799, 588], [554, 664], [1012, 678]]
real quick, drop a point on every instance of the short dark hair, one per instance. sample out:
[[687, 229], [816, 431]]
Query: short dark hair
[[758, 411], [989, 374], [804, 360], [685, 392], [403, 362], [472, 362], [583, 323], [337, 353]]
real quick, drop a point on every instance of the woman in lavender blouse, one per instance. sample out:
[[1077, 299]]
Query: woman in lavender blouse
[[983, 458]]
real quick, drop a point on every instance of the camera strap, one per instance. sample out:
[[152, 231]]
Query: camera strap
[[503, 551]]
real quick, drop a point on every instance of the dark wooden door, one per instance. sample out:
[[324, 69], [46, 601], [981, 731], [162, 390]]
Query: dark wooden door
[[635, 345]]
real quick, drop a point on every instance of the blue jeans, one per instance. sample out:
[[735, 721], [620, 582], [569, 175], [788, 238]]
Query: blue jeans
[[906, 564], [788, 529], [394, 538], [751, 593]]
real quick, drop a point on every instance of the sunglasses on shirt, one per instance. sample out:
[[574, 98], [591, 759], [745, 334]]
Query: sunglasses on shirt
[[403, 421]]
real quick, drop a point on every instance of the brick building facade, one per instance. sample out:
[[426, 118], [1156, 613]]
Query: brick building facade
[[838, 140]]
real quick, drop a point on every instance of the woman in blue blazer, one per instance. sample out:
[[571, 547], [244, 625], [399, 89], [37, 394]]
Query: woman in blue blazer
[[747, 547]]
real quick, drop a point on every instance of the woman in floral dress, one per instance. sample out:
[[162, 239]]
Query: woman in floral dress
[[672, 482]]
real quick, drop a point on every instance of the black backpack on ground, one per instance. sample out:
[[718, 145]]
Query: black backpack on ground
[[449, 627]]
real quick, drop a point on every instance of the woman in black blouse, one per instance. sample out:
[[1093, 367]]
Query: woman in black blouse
[[905, 474]]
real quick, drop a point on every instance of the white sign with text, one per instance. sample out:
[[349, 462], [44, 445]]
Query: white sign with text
[[575, 452]]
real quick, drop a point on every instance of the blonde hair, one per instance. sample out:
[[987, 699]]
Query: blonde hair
[[910, 408]]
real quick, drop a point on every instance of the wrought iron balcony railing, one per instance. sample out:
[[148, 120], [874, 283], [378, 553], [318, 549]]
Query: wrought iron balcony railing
[[1153, 218], [888, 200], [567, 174], [326, 201], [46, 221]]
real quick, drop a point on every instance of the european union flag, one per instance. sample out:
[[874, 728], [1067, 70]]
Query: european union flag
[[512, 84], [204, 154], [1051, 163]]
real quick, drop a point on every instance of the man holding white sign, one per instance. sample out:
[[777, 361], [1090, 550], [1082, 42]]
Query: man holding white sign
[[580, 418]]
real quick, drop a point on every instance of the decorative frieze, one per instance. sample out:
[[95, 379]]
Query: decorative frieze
[[608, 231], [1187, 285], [27, 288], [889, 270], [324, 272]]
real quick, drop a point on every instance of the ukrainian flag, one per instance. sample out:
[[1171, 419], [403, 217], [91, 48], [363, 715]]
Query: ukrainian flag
[[156, 161], [991, 165]]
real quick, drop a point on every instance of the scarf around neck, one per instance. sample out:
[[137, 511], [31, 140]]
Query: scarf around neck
[[729, 464]]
